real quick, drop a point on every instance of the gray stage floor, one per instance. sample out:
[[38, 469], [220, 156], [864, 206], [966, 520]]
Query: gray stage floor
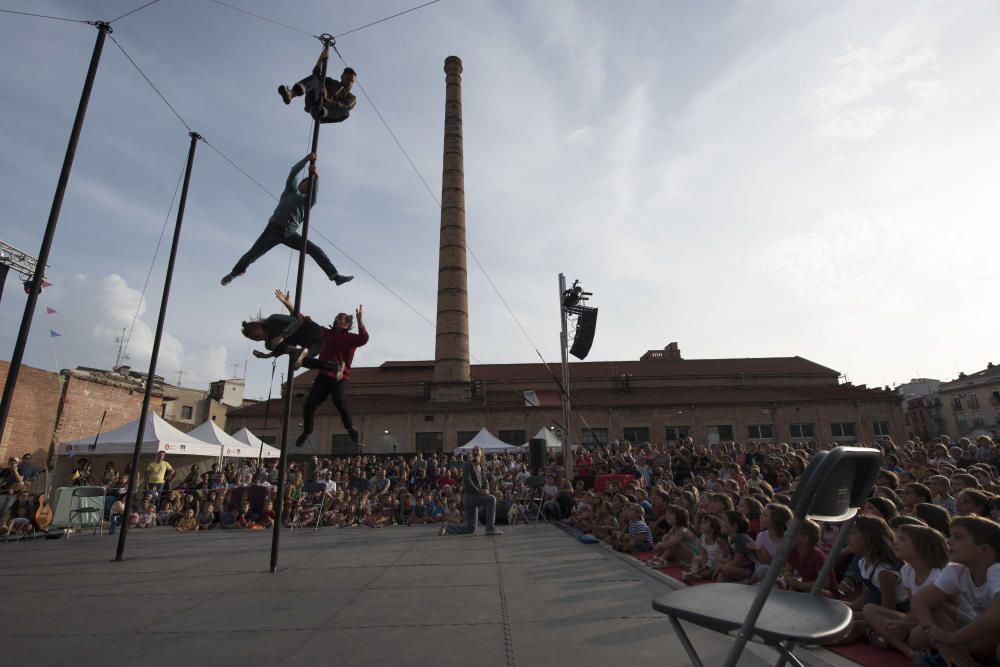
[[399, 596]]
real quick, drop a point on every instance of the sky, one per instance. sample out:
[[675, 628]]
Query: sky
[[746, 178]]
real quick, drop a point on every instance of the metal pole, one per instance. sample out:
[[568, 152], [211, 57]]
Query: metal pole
[[35, 283], [287, 417], [567, 447], [144, 412], [3, 277]]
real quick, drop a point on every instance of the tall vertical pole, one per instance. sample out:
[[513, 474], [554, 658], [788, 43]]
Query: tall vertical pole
[[3, 278], [567, 446], [35, 283], [287, 417], [144, 412]]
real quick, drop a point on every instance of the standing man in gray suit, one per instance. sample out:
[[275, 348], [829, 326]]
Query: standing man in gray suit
[[475, 494]]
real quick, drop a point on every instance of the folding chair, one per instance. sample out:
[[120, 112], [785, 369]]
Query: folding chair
[[77, 510], [533, 500], [314, 496], [832, 488]]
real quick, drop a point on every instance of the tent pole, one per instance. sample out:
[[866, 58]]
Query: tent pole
[[144, 412]]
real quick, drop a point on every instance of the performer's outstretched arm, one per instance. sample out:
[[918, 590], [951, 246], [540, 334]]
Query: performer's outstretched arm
[[293, 176]]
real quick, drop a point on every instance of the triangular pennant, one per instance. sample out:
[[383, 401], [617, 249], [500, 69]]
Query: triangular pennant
[[53, 334], [50, 311]]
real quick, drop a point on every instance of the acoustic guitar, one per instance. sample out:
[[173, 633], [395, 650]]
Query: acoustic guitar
[[43, 515]]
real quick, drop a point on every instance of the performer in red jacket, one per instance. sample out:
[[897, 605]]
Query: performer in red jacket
[[339, 347]]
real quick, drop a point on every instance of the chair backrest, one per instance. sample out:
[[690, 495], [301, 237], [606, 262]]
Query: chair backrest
[[89, 492], [310, 488], [836, 483]]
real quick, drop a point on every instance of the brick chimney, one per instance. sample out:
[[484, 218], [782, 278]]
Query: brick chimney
[[451, 347]]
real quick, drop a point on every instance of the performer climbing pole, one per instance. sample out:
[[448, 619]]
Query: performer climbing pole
[[328, 42], [281, 229], [327, 100]]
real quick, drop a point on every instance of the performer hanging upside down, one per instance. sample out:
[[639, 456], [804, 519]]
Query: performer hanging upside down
[[282, 227], [329, 103], [298, 337], [339, 348]]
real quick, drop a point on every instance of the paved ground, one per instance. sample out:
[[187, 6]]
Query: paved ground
[[399, 596]]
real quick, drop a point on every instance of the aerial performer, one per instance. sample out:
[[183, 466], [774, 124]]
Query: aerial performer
[[339, 346], [328, 101], [282, 228], [297, 336]]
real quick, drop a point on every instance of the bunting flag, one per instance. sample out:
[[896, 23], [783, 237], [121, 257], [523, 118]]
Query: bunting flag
[[53, 334], [45, 283], [50, 311]]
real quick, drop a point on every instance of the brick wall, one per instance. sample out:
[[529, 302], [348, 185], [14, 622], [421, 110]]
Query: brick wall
[[86, 401], [32, 414], [32, 423]]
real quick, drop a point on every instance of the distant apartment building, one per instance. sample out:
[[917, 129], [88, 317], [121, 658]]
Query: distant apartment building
[[971, 403], [187, 408], [922, 409]]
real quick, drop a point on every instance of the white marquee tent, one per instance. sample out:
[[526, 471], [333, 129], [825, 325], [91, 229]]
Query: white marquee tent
[[183, 449], [251, 444], [488, 443], [551, 441]]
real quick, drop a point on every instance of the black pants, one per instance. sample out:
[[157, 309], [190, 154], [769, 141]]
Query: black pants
[[275, 235], [314, 99], [324, 386]]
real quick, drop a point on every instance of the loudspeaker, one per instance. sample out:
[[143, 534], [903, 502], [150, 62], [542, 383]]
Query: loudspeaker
[[536, 455], [586, 323]]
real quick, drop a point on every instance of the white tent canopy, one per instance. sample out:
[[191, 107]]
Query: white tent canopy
[[487, 442], [250, 446], [551, 441], [158, 436]]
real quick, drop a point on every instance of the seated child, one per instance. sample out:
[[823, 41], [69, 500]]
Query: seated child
[[970, 582], [206, 520], [187, 523], [710, 548], [739, 564], [805, 562]]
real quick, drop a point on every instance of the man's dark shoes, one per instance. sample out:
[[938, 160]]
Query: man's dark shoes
[[226, 279], [301, 440], [285, 95], [341, 279], [355, 436]]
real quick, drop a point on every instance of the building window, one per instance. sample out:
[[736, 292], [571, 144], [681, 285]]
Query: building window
[[186, 411], [465, 436], [844, 430], [963, 422], [677, 432], [595, 436], [802, 431], [341, 443], [428, 418], [978, 419], [428, 443], [956, 403], [636, 434], [761, 431], [880, 429], [973, 401], [719, 433], [513, 437], [995, 398]]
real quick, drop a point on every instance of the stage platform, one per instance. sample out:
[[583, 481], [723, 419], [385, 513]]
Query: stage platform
[[357, 596]]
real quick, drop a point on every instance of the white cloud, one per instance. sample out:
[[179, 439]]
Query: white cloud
[[859, 100]]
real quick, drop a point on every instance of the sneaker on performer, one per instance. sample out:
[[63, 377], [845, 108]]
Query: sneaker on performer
[[443, 530], [286, 96], [302, 357], [341, 279], [493, 531], [226, 279]]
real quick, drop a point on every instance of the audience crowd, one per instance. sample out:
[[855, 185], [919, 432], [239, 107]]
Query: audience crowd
[[920, 569]]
